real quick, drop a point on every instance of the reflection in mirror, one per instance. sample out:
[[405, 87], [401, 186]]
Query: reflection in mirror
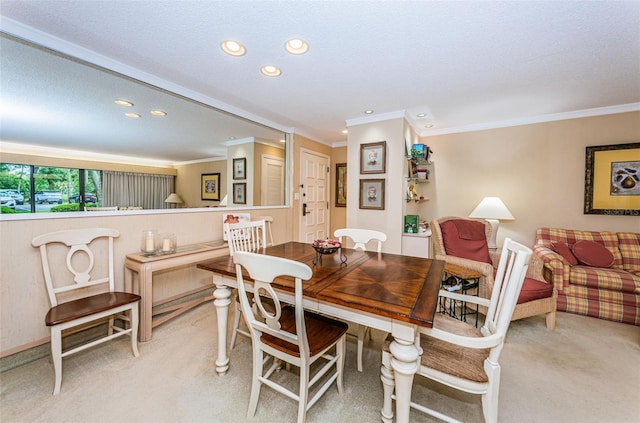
[[53, 101]]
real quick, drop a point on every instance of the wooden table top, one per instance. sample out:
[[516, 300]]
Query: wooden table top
[[400, 287]]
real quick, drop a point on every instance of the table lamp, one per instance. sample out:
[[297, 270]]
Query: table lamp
[[492, 209], [173, 199]]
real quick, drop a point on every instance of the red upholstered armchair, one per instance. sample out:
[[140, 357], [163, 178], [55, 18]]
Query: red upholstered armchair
[[463, 241]]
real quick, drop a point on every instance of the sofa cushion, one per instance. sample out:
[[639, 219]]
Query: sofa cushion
[[571, 236], [463, 245], [630, 249], [562, 249], [604, 279], [533, 289], [591, 253]]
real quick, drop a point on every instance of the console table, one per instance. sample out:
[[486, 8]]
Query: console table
[[144, 265]]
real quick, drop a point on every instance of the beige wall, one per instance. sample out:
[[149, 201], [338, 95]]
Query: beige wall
[[538, 170], [389, 220], [23, 299], [188, 182]]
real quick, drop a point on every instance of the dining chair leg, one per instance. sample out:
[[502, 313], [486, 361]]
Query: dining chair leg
[[133, 319], [303, 394], [341, 348], [56, 355], [255, 382]]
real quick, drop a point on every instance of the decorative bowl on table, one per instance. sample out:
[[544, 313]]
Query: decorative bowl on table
[[326, 246]]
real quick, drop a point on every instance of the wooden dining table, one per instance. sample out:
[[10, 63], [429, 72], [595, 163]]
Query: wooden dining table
[[393, 293]]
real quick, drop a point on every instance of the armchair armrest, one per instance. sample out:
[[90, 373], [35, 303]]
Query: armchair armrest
[[554, 266], [486, 269]]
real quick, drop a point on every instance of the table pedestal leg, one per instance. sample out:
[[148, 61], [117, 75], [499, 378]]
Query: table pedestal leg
[[222, 300], [404, 362]]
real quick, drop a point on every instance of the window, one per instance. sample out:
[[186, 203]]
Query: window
[[42, 189]]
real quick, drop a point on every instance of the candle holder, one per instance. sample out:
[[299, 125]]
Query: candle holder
[[167, 243], [149, 244]]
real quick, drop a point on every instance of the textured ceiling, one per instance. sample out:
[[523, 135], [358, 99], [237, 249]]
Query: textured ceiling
[[464, 64]]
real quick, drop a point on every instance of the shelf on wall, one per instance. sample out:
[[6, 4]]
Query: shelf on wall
[[416, 200]]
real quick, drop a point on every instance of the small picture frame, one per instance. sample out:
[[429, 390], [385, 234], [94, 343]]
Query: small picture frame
[[341, 185], [210, 186], [240, 168], [373, 157], [372, 194], [240, 193]]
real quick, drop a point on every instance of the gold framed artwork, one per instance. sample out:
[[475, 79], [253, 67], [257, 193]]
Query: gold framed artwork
[[372, 194], [210, 186], [612, 180], [373, 157], [341, 185], [240, 168]]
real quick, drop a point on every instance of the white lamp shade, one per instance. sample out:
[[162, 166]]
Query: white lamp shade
[[492, 208], [173, 198]]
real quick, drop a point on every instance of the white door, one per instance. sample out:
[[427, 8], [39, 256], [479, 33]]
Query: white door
[[314, 196], [272, 181]]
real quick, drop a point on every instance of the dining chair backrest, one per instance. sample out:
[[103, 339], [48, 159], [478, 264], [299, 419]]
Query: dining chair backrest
[[263, 269], [512, 269], [83, 269], [361, 237], [246, 236]]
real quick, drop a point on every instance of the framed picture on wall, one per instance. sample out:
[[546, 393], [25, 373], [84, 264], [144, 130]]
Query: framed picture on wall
[[210, 186], [240, 168], [341, 185], [240, 193], [372, 194], [373, 157], [612, 180]]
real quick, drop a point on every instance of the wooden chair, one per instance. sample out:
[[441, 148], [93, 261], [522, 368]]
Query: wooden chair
[[244, 236], [537, 296], [74, 292], [288, 334], [360, 238], [461, 356]]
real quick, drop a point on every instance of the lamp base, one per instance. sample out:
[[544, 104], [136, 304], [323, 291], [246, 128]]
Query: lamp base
[[494, 233]]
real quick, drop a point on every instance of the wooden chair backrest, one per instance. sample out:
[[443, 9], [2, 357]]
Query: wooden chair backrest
[[246, 236], [361, 237]]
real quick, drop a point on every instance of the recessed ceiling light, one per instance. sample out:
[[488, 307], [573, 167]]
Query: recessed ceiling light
[[123, 103], [430, 125], [233, 48], [158, 113], [421, 115], [368, 112], [345, 131], [232, 138], [132, 115], [270, 70], [296, 46]]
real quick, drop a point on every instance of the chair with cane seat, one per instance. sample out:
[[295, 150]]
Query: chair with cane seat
[[459, 355]]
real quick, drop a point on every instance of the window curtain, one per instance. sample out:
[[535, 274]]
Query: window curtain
[[128, 189]]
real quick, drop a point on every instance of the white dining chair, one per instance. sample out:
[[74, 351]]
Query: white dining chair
[[462, 356], [290, 334], [268, 220], [244, 236], [78, 270], [360, 238]]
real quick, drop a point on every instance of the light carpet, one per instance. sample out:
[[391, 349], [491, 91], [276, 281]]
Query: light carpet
[[587, 370]]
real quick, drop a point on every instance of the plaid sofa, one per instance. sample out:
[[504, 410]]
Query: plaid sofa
[[606, 293]]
